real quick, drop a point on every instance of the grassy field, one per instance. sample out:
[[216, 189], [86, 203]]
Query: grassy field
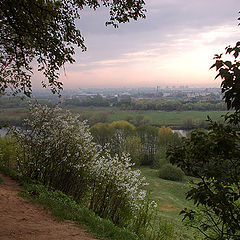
[[169, 118], [12, 116], [12, 113], [158, 118], [114, 114], [171, 198]]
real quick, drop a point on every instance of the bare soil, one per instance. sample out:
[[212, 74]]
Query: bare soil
[[169, 207], [20, 219]]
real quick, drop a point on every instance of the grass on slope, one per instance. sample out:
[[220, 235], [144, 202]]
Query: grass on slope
[[171, 198], [65, 208]]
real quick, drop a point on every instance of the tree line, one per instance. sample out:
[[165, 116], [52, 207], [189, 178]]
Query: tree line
[[145, 104], [146, 144]]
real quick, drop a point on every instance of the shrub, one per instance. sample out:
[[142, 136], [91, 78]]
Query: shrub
[[7, 152], [160, 158], [171, 172], [56, 148], [158, 163]]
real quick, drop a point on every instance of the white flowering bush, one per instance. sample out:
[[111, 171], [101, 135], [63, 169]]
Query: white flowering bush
[[56, 148], [116, 187]]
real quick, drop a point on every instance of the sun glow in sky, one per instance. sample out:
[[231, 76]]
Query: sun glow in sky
[[174, 45]]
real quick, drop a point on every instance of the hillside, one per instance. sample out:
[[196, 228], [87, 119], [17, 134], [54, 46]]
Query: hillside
[[20, 219]]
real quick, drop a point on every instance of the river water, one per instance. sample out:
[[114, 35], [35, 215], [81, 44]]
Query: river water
[[181, 132], [3, 132]]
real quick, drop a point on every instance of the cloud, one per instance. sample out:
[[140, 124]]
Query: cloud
[[175, 43]]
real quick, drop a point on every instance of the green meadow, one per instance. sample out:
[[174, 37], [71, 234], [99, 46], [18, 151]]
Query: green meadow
[[174, 118], [169, 118], [171, 199], [12, 116], [15, 115]]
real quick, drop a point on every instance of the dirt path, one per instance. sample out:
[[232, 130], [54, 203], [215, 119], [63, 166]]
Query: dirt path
[[20, 219]]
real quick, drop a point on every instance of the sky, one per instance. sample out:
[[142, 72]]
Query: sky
[[173, 46]]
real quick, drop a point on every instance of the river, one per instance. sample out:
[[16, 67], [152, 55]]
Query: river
[[181, 132], [3, 132]]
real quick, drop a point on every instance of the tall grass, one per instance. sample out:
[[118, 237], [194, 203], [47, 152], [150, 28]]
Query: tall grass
[[171, 198]]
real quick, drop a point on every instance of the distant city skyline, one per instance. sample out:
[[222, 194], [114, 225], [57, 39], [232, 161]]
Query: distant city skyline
[[174, 45]]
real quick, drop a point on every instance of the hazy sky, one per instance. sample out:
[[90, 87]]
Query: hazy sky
[[174, 45]]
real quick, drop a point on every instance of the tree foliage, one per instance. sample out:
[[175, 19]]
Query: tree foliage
[[230, 74], [133, 146], [46, 32], [170, 172], [173, 105], [213, 156], [142, 143]]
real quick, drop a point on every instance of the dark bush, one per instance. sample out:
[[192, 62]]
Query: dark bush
[[158, 163], [171, 172], [8, 153], [160, 158]]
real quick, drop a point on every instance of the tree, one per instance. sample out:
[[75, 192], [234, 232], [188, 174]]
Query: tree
[[45, 32], [213, 156], [167, 137], [133, 146], [102, 133], [149, 137], [230, 75], [121, 130]]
